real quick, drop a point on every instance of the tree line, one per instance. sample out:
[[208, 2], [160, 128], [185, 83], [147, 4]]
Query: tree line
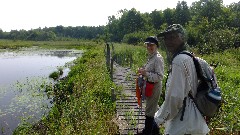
[[54, 33], [210, 26]]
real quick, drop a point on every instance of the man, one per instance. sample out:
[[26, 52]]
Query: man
[[178, 112]]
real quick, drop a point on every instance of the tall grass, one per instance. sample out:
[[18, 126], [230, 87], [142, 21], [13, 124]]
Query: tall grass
[[228, 74], [138, 54], [15, 44]]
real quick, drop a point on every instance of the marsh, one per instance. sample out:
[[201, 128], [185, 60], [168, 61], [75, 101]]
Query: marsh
[[24, 75]]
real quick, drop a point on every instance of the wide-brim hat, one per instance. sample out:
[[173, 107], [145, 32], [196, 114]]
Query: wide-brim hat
[[172, 28]]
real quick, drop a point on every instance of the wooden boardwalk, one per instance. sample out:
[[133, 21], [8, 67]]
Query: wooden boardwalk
[[130, 117]]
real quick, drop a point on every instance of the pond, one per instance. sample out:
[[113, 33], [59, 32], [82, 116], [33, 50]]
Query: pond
[[24, 74]]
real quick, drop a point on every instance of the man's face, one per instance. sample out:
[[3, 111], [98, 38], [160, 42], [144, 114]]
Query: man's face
[[173, 41]]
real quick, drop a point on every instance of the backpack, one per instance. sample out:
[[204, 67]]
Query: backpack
[[208, 98]]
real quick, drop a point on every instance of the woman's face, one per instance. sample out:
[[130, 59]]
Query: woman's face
[[173, 41], [151, 47]]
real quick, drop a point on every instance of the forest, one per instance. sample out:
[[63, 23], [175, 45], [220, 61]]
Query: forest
[[211, 26]]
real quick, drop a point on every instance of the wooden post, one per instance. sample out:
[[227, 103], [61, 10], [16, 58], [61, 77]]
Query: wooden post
[[111, 68], [108, 57], [113, 95]]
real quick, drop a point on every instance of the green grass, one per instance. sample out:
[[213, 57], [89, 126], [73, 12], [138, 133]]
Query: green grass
[[83, 100], [72, 44], [138, 54], [228, 76]]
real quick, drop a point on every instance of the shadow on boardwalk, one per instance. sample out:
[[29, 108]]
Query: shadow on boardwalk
[[130, 118]]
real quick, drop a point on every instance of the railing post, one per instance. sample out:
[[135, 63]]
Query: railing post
[[108, 57], [113, 95], [111, 68]]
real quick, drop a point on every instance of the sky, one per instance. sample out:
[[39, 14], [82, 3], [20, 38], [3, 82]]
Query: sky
[[32, 14]]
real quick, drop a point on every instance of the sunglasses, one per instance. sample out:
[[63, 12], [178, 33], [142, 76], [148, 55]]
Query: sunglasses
[[149, 43]]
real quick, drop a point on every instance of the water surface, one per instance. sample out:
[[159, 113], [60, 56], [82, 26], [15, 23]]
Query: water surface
[[23, 77]]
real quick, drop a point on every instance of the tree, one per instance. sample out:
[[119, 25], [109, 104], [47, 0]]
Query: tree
[[234, 14], [210, 9], [156, 18], [18, 35], [112, 31], [131, 21], [59, 30], [3, 34], [182, 13], [168, 15]]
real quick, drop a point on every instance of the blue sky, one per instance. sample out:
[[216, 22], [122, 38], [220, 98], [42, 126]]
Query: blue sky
[[32, 14]]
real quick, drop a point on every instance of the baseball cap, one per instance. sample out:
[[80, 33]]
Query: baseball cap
[[151, 39]]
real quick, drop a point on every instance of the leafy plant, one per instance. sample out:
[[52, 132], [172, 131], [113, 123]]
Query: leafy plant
[[54, 75]]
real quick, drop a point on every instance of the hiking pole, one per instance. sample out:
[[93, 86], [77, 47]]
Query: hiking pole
[[138, 118], [142, 85], [140, 88], [139, 110]]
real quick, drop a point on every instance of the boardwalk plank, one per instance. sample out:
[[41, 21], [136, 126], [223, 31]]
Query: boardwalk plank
[[131, 119]]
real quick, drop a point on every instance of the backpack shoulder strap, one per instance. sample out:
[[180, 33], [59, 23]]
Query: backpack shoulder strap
[[196, 63], [197, 66]]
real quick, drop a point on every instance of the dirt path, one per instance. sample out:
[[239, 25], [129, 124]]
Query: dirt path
[[130, 118]]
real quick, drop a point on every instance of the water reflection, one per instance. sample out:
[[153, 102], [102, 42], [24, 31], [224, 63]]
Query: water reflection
[[23, 78]]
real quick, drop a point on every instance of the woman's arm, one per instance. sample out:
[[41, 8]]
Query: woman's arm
[[157, 75]]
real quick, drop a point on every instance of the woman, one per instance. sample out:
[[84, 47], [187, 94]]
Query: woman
[[153, 72]]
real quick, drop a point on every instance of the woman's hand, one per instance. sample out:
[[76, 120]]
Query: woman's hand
[[142, 71]]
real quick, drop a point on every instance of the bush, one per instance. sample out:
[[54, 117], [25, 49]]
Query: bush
[[54, 75], [217, 41], [135, 38]]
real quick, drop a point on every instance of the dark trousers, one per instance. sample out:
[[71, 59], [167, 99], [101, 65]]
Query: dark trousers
[[151, 128]]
